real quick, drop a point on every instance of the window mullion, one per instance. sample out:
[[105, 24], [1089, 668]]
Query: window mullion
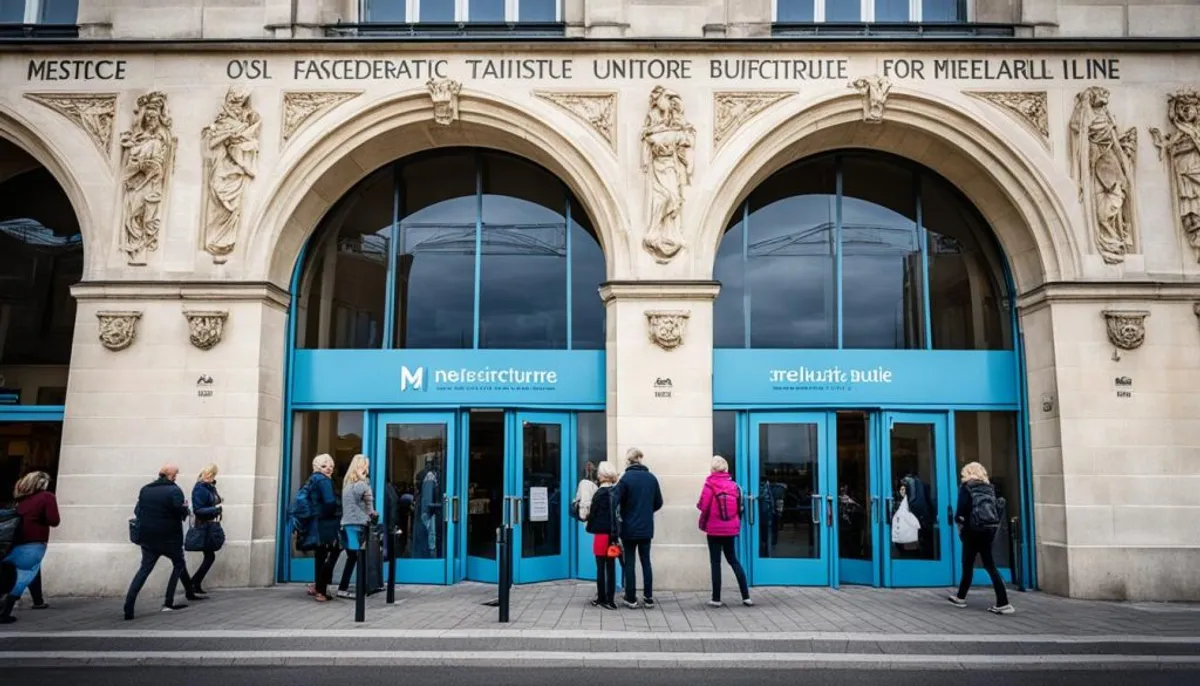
[[512, 10], [33, 11], [462, 11], [818, 10], [866, 10], [914, 11], [412, 11]]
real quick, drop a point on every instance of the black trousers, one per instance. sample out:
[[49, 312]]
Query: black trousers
[[149, 559], [206, 564], [348, 569], [325, 558], [639, 547], [724, 544], [606, 579], [35, 590], [980, 544]]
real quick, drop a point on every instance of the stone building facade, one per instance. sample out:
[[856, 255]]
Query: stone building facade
[[199, 145]]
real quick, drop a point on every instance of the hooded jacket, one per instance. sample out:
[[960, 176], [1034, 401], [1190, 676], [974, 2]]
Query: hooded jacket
[[719, 501]]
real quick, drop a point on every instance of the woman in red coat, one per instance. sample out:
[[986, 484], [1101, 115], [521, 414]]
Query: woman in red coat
[[39, 512]]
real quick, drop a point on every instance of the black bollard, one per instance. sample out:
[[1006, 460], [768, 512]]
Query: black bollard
[[1015, 557], [393, 539], [360, 583], [503, 581]]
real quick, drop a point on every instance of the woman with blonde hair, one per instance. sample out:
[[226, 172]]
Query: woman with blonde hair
[[38, 510], [603, 524], [206, 511], [358, 509], [323, 533], [720, 508], [978, 516]]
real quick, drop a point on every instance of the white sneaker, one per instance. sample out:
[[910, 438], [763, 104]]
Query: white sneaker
[[956, 601], [631, 604], [345, 594], [748, 603], [1002, 610], [716, 603]]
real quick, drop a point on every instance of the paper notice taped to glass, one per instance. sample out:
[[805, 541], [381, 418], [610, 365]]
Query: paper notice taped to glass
[[539, 504]]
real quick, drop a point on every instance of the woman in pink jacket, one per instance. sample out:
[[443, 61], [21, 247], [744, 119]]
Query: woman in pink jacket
[[720, 517]]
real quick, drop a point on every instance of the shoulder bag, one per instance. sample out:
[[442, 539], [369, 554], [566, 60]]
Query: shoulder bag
[[614, 539]]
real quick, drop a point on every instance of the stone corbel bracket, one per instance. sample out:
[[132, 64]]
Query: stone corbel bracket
[[667, 327], [206, 327], [444, 93], [118, 329], [1126, 328]]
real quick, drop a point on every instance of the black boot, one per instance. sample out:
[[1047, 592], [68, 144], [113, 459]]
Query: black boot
[[6, 608]]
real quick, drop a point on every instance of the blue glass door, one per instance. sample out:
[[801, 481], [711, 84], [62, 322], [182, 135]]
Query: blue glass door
[[414, 470], [790, 489], [916, 474], [538, 493], [857, 509]]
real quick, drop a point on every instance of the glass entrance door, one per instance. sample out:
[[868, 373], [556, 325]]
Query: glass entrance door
[[411, 492], [790, 489], [539, 490], [857, 508], [915, 471]]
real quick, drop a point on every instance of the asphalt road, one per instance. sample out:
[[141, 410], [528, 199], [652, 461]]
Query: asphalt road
[[449, 676]]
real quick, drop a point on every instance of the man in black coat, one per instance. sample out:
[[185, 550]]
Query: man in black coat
[[160, 511], [638, 497]]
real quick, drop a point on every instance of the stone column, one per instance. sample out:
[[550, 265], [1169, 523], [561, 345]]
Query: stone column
[[145, 403], [659, 380]]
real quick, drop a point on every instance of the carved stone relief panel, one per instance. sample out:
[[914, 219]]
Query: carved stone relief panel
[[95, 113], [1126, 328], [1182, 148], [147, 162], [1102, 164], [596, 109], [118, 329], [731, 110], [230, 164], [206, 327], [875, 91], [1031, 108], [668, 140], [667, 327], [301, 107], [445, 100]]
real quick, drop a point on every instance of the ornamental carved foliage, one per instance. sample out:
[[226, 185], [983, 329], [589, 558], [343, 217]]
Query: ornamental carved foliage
[[206, 327], [1031, 108], [1126, 328], [667, 327], [1102, 163], [1182, 148], [230, 164], [95, 113], [667, 143], [444, 93], [875, 91], [732, 110], [147, 161], [299, 107], [118, 329], [596, 109]]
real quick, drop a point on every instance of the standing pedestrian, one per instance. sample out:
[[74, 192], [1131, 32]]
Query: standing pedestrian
[[720, 519], [601, 516], [38, 510], [358, 509], [323, 535], [161, 509], [638, 497], [978, 518], [206, 508]]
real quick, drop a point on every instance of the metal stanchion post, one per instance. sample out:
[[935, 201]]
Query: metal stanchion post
[[360, 584], [393, 539], [1014, 555], [503, 580]]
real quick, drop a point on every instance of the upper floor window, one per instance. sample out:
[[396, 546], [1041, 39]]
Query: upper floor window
[[460, 11], [39, 11], [870, 11]]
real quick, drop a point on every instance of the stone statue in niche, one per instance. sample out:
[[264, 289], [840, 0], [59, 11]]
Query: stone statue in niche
[[1183, 149], [147, 159], [1102, 163], [667, 143], [445, 100], [875, 91], [118, 329], [230, 164]]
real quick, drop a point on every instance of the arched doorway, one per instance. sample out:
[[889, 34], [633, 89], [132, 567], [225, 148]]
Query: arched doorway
[[41, 258], [446, 323], [865, 350]]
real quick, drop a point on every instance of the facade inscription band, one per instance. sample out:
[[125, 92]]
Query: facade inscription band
[[1182, 148], [147, 160], [668, 140], [1102, 163], [230, 164]]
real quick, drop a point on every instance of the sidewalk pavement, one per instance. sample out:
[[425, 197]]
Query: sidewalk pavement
[[553, 623]]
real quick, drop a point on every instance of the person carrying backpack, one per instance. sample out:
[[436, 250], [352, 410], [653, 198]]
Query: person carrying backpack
[[720, 518], [978, 518], [315, 517]]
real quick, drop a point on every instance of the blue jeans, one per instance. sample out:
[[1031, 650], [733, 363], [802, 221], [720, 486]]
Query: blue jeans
[[27, 559]]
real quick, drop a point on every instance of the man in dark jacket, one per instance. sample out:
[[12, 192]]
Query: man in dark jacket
[[160, 511], [638, 497]]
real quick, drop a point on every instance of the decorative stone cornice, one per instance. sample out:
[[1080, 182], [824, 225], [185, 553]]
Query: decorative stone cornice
[[118, 329], [206, 327], [1126, 328], [1107, 292], [659, 290], [214, 291], [667, 327]]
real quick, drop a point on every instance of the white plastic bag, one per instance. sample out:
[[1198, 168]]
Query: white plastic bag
[[905, 524]]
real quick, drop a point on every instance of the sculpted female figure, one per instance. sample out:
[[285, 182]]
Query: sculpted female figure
[[147, 158], [1102, 163], [667, 142], [230, 163], [1183, 147]]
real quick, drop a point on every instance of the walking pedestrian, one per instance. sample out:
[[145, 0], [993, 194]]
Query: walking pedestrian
[[638, 497], [720, 519], [601, 515], [978, 518], [358, 509], [323, 535], [38, 510], [206, 509], [161, 509]]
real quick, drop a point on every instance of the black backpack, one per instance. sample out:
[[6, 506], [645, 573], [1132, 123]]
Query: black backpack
[[10, 528], [985, 510]]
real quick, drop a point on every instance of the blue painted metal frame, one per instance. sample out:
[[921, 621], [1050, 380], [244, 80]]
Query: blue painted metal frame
[[912, 572], [534, 569], [31, 413]]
